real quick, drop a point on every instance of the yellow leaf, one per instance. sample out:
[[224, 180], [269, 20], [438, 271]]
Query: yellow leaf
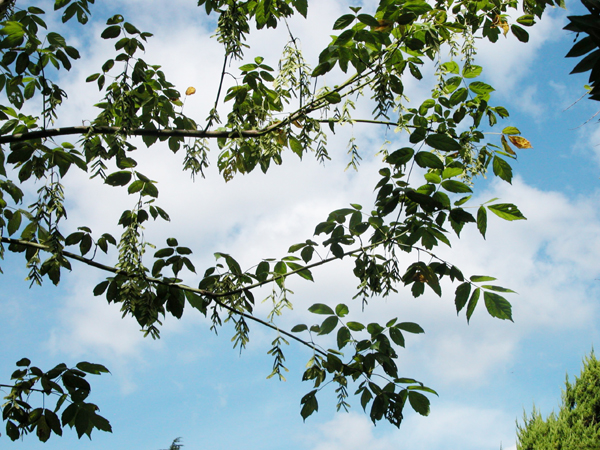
[[190, 91], [385, 26], [520, 142], [500, 21]]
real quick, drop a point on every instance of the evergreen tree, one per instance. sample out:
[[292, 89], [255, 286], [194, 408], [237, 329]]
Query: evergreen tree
[[577, 424]]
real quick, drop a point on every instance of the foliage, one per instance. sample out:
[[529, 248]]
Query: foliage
[[577, 424], [21, 418], [175, 445], [587, 24], [424, 193]]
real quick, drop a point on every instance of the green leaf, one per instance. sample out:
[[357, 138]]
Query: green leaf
[[450, 67], [419, 402], [355, 326], [280, 268], [497, 306], [14, 223], [473, 303], [397, 336], [482, 220], [520, 33], [120, 178], [307, 253], [410, 327], [498, 288], [526, 20], [100, 288], [341, 310], [343, 21], [23, 362], [322, 69], [481, 278], [462, 295], [471, 71], [321, 308], [95, 369], [452, 84], [451, 172], [502, 169], [463, 200], [343, 337], [101, 423], [303, 272], [507, 211], [310, 404], [328, 325], [367, 19], [511, 130], [417, 7], [432, 177], [299, 328], [455, 186], [400, 156], [428, 160], [164, 253], [442, 142], [136, 186], [333, 97], [481, 88], [459, 96], [111, 32]]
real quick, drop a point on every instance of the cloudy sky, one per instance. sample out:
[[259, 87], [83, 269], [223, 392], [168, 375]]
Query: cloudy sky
[[192, 384]]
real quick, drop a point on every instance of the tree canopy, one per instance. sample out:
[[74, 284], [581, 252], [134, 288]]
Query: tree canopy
[[577, 423], [262, 110]]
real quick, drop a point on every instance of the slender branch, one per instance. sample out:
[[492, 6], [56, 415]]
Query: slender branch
[[80, 130], [214, 296], [37, 134], [29, 389], [219, 90]]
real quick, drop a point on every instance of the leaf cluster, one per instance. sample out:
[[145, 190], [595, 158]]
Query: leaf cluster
[[68, 386]]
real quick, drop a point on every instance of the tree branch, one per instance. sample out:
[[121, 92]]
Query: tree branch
[[81, 130], [46, 133]]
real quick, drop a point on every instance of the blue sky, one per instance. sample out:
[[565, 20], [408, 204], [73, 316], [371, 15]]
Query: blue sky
[[192, 383]]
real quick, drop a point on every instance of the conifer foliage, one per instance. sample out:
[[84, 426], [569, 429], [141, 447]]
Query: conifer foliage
[[577, 424]]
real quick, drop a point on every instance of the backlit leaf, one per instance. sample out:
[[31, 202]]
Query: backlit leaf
[[497, 306], [473, 303], [520, 142], [442, 142], [507, 211], [462, 295], [419, 402], [320, 308]]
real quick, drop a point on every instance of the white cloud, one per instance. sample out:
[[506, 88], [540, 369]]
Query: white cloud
[[448, 426], [349, 432], [508, 61]]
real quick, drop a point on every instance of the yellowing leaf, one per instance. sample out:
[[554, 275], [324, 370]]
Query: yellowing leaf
[[190, 91], [520, 142], [500, 21], [506, 147], [384, 26]]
